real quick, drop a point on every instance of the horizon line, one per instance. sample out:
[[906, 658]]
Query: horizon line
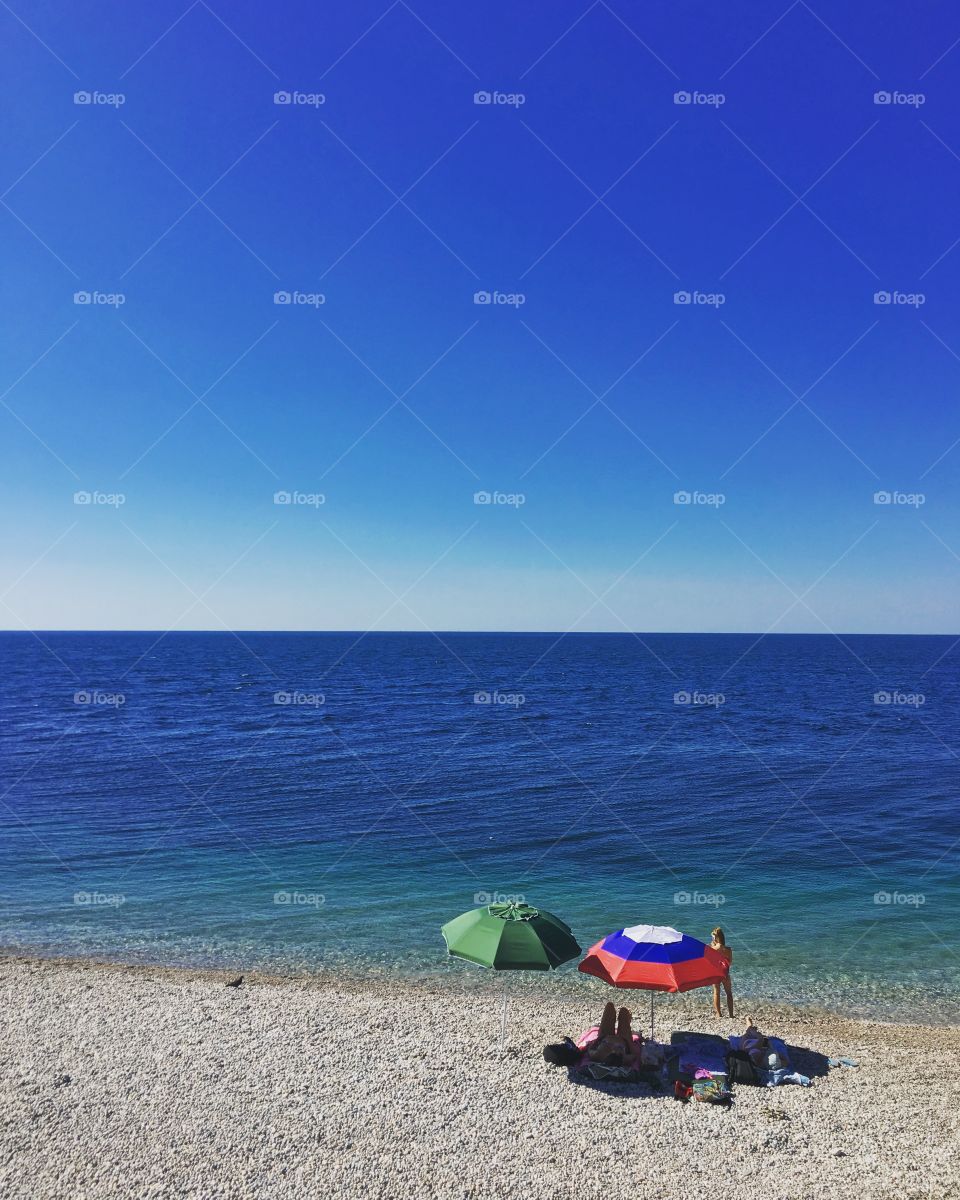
[[496, 632]]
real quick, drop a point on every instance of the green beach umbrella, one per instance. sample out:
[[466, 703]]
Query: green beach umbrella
[[510, 937]]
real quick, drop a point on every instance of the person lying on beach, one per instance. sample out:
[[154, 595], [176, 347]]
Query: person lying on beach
[[762, 1053], [719, 943], [616, 1045], [773, 1066]]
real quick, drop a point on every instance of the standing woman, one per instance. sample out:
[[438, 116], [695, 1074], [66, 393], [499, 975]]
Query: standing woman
[[718, 942]]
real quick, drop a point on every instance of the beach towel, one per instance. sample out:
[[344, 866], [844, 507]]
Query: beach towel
[[601, 1073], [692, 1052], [780, 1076]]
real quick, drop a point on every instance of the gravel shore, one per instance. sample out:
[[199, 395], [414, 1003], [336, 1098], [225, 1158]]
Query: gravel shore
[[148, 1082]]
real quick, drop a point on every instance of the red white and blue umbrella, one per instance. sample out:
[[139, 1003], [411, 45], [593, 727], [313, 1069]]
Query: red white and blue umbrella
[[655, 958]]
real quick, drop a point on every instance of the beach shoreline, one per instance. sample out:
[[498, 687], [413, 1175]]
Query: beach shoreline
[[123, 1079]]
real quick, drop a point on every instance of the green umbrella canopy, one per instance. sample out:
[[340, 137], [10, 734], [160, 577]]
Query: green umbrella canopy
[[511, 937]]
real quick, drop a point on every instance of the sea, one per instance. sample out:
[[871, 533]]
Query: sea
[[324, 802]]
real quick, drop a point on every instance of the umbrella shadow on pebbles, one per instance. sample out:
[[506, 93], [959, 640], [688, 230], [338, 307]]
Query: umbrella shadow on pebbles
[[638, 1091]]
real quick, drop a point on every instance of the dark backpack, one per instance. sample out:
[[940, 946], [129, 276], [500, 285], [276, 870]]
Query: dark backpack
[[740, 1068]]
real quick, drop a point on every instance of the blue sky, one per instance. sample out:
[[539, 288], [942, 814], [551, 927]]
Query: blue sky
[[781, 198]]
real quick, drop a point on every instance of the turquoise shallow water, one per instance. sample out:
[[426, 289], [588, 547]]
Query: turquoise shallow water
[[310, 802]]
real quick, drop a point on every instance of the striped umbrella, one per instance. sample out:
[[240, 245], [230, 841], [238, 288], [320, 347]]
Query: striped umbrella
[[655, 958]]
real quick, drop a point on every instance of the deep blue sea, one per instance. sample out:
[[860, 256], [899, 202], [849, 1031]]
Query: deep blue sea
[[326, 801]]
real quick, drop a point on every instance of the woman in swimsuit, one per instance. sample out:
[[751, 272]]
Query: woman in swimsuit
[[614, 1045], [718, 942]]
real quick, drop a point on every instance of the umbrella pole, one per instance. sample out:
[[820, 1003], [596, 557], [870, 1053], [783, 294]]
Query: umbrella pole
[[503, 1017], [651, 1016]]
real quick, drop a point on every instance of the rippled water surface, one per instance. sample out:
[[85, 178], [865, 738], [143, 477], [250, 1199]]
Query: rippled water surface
[[315, 801]]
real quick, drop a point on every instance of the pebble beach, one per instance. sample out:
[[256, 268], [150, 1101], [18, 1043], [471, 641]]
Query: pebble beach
[[154, 1082]]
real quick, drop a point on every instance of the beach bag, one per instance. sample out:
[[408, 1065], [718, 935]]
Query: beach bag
[[708, 1090], [740, 1068]]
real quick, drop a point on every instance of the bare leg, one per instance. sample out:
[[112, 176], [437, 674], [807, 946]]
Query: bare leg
[[608, 1022], [623, 1026], [716, 999], [728, 988]]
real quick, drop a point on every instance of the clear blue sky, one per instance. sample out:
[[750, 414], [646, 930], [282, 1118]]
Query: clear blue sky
[[398, 198]]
